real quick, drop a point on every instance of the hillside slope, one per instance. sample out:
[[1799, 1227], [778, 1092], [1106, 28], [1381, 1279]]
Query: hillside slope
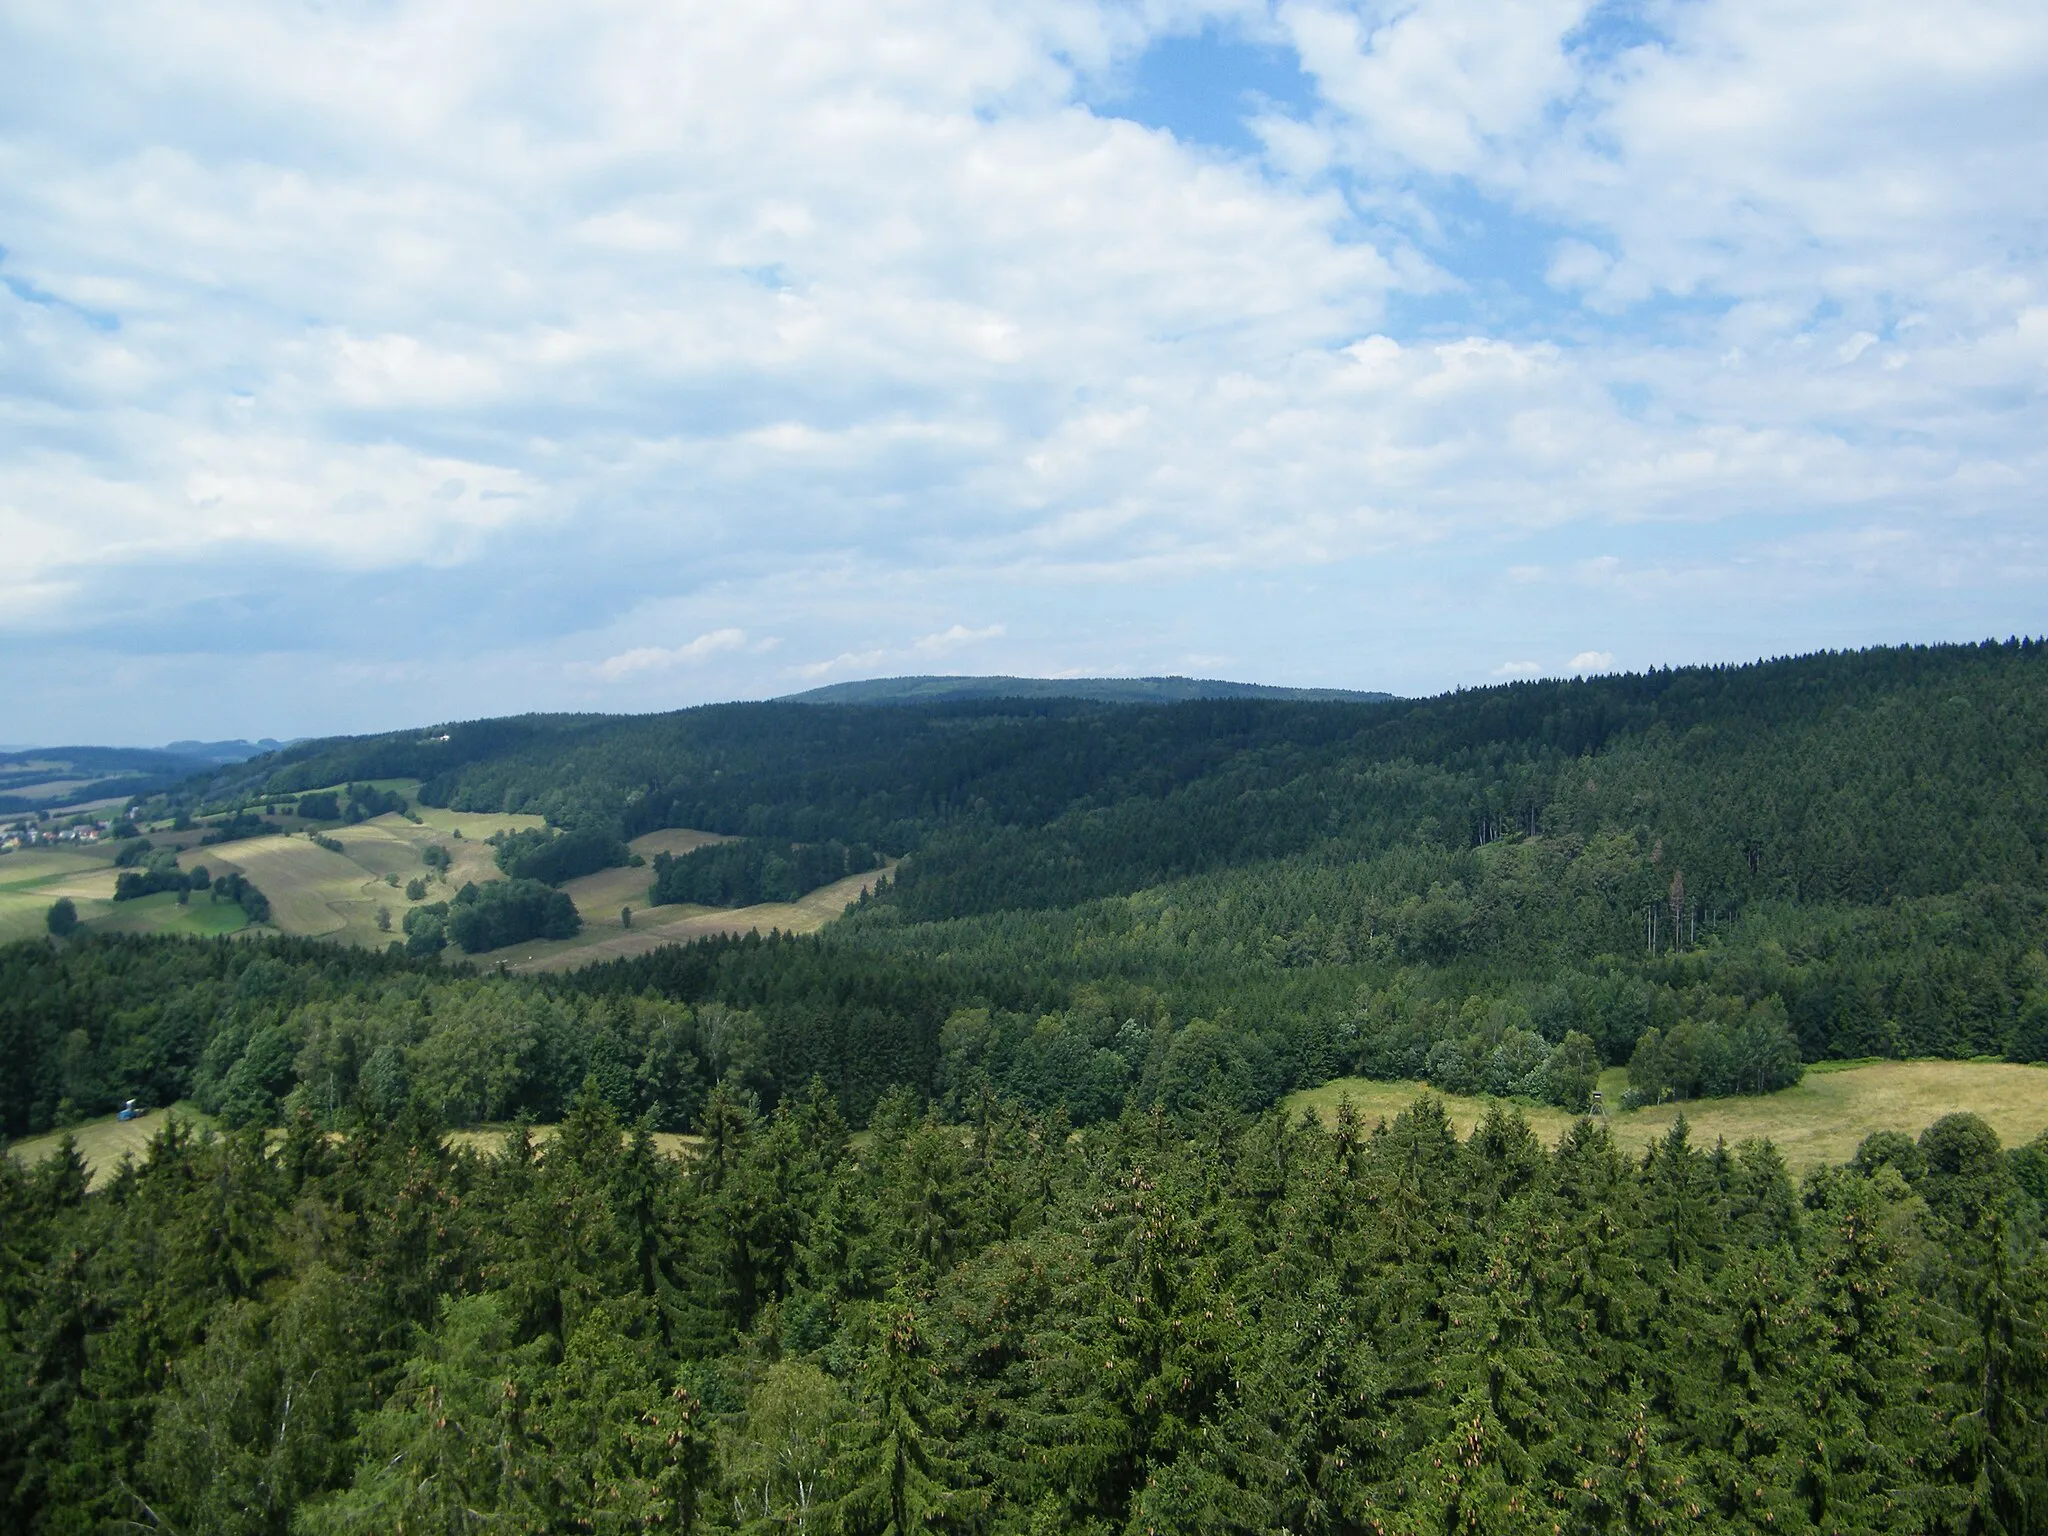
[[1094, 690], [1709, 876]]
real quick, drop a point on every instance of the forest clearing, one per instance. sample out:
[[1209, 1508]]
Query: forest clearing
[[1817, 1122]]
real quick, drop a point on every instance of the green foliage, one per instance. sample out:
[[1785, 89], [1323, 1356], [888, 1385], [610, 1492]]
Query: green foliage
[[1729, 1050], [232, 828], [751, 870], [552, 857], [366, 800], [503, 912], [237, 887], [160, 874], [1185, 1323], [62, 918]]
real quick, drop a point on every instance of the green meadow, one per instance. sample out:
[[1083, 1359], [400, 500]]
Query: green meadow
[[1818, 1121]]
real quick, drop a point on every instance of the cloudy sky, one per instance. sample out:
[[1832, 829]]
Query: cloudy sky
[[368, 363]]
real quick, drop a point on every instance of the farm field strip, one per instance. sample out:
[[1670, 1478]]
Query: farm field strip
[[1820, 1120], [315, 892], [105, 1141], [656, 926], [302, 879]]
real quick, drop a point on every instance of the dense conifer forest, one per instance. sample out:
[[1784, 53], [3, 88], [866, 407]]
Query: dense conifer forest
[[1207, 1323], [1076, 1273]]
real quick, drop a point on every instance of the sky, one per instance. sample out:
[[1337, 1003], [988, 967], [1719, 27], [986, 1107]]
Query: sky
[[369, 363]]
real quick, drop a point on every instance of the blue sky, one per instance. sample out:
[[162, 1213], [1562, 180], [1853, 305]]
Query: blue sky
[[374, 364]]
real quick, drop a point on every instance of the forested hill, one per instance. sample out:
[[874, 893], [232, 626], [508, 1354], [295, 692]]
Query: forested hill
[[1860, 776], [1099, 690], [1708, 876], [1144, 923]]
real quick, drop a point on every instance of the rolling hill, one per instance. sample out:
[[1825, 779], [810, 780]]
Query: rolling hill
[[1709, 877], [1094, 690]]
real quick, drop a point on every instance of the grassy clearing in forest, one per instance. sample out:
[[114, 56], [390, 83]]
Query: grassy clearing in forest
[[1820, 1120], [490, 1139], [680, 924], [600, 896], [105, 1141]]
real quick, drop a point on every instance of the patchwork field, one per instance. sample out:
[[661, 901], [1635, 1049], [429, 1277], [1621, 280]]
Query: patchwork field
[[679, 924], [317, 892], [600, 896], [1819, 1121], [32, 878]]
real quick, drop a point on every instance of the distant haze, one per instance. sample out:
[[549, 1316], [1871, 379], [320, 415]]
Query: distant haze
[[1108, 690]]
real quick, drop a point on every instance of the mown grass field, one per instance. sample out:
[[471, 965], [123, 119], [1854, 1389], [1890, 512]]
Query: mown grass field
[[105, 1141], [490, 1139], [317, 892], [600, 896], [32, 878], [657, 926], [201, 916], [1817, 1122]]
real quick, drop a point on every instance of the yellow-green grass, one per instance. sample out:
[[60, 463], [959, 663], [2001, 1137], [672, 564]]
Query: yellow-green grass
[[36, 867], [48, 789], [105, 1141], [490, 1139], [312, 890], [1821, 1120], [23, 914], [680, 924], [32, 878], [433, 820], [383, 847], [599, 897], [316, 892], [200, 917], [475, 826], [28, 770]]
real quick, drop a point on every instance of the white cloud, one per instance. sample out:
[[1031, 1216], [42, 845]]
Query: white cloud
[[1591, 661], [1518, 669], [648, 658], [1575, 264], [1441, 84], [845, 661], [673, 316], [952, 639]]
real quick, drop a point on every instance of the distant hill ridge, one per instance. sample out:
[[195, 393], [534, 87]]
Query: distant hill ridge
[[1100, 690], [238, 751]]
